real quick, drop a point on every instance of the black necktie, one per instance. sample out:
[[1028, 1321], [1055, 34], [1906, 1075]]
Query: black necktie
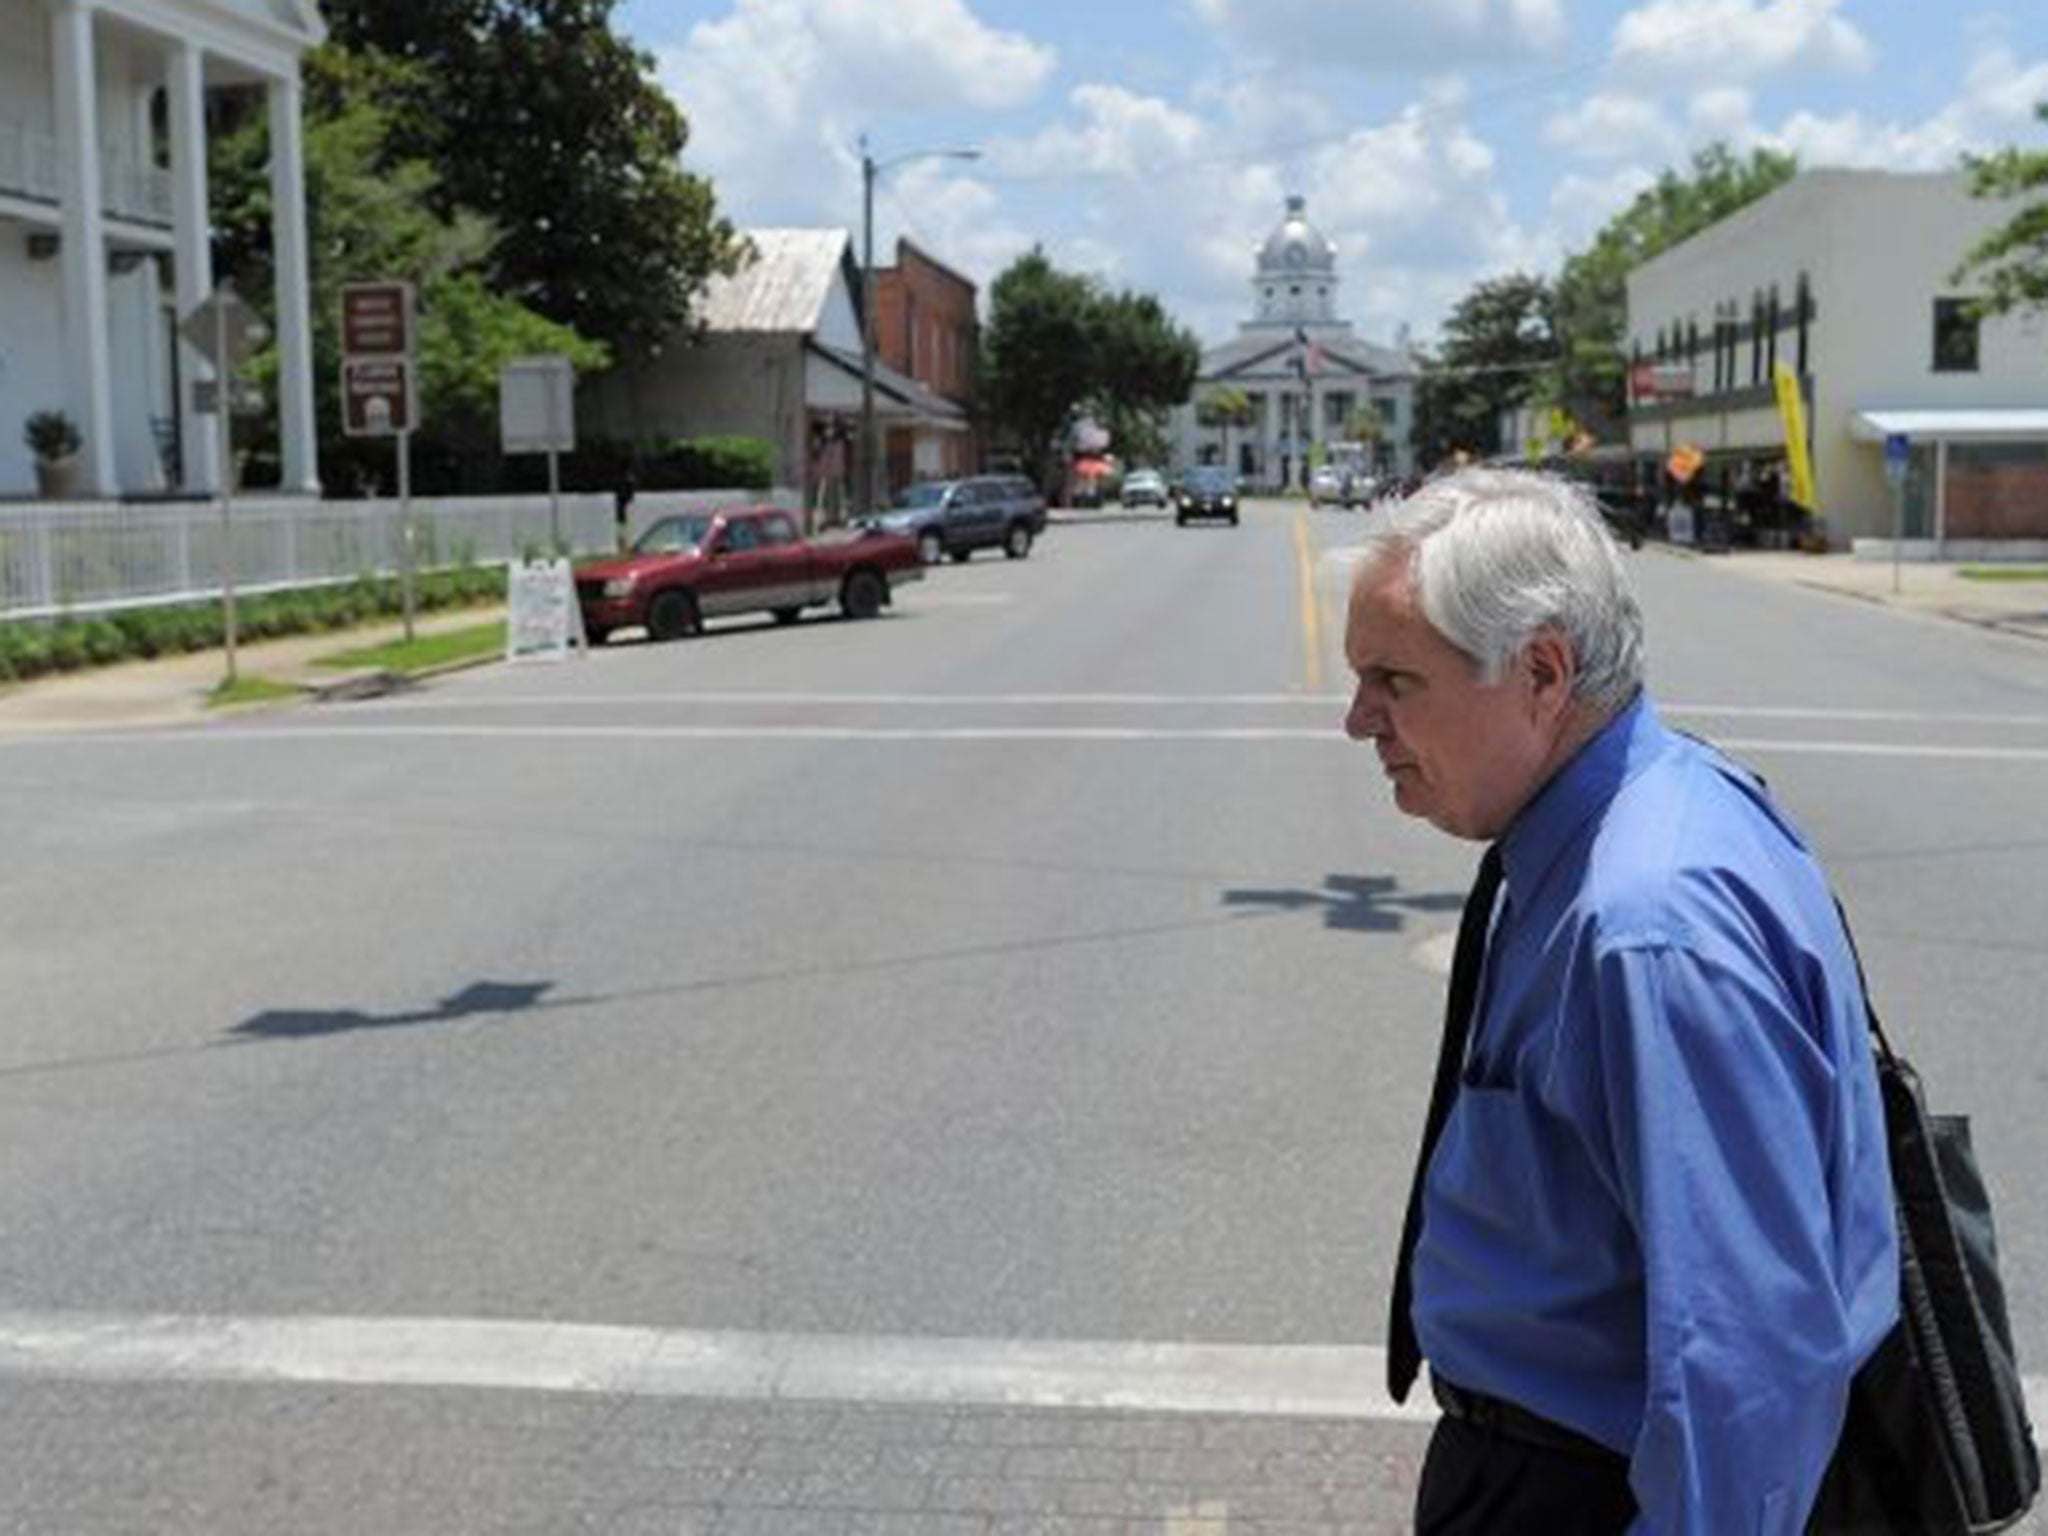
[[1404, 1354]]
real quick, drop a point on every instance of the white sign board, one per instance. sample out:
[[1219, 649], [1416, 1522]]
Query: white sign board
[[537, 405], [544, 621]]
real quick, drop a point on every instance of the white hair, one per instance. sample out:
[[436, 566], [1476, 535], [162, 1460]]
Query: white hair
[[1494, 555]]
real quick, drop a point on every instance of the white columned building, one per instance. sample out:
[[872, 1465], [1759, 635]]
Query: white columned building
[[104, 237], [1310, 380]]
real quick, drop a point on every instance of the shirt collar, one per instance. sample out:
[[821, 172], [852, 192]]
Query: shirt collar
[[1587, 781]]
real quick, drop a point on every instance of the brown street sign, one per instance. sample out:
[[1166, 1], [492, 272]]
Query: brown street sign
[[376, 319], [376, 396]]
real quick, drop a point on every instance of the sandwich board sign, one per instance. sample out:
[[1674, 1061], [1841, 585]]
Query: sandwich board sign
[[544, 621]]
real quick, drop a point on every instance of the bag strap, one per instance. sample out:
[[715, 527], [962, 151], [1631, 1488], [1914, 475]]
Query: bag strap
[[1877, 1034]]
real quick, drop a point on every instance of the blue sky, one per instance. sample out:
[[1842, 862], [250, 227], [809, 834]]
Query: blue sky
[[1438, 142]]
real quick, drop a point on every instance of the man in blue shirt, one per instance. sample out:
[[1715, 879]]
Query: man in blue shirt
[[1653, 1237]]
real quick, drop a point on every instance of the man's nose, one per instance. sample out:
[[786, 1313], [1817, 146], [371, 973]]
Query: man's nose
[[1364, 719]]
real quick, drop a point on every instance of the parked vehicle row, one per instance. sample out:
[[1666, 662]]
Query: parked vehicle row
[[702, 565]]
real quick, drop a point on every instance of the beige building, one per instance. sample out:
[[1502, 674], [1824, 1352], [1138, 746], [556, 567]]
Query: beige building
[[1846, 276], [778, 358]]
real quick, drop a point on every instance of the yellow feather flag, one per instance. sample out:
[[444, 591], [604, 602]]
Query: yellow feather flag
[[1792, 408]]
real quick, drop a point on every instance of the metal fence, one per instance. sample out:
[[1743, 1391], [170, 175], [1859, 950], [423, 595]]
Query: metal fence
[[87, 557]]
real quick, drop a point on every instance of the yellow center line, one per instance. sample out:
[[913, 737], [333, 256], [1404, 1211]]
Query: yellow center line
[[1311, 611]]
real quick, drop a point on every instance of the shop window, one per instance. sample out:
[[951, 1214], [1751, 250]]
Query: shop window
[[1955, 336]]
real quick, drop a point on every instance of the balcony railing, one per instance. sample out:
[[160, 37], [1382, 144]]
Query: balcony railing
[[129, 188]]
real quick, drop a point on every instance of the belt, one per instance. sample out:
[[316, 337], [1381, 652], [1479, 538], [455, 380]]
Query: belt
[[1496, 1415]]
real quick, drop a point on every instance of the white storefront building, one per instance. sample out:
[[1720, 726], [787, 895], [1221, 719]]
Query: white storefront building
[[1307, 375], [1847, 277], [104, 231]]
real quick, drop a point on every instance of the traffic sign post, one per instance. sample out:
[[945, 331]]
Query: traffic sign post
[[537, 414], [1898, 455], [378, 397], [224, 330]]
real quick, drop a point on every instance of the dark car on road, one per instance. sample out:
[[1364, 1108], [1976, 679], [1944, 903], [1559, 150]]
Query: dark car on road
[[702, 565], [1208, 491], [957, 517]]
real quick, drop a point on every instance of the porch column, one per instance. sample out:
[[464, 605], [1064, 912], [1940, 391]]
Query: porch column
[[296, 430], [84, 266], [198, 441]]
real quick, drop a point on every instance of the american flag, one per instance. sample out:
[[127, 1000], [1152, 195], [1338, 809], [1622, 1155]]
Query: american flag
[[1310, 360]]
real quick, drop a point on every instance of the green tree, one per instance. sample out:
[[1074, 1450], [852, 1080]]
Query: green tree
[[536, 115], [372, 217], [1497, 343], [1590, 312], [1056, 344], [1145, 365], [1225, 406], [2011, 261]]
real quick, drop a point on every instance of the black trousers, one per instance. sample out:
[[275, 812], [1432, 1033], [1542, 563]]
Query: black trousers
[[1478, 1482]]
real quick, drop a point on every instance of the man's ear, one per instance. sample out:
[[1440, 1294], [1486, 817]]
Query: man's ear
[[1553, 670]]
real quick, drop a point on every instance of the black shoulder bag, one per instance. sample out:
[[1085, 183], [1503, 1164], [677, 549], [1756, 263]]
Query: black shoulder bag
[[1936, 1441]]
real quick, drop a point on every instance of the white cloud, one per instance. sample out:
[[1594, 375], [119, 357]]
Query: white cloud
[[1386, 37], [777, 91], [1612, 126], [1725, 113], [1581, 205], [1997, 100], [1736, 41], [1120, 133]]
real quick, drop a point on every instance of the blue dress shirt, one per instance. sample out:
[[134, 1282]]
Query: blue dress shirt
[[1661, 1209]]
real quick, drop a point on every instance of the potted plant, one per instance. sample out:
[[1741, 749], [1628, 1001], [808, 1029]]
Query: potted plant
[[54, 441]]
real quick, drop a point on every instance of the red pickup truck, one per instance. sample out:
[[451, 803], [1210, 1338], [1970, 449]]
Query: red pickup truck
[[703, 565]]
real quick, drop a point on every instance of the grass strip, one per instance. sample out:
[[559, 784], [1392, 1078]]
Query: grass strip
[[424, 651], [2003, 572], [250, 689]]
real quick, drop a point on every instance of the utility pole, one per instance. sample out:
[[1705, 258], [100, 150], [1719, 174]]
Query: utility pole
[[870, 168]]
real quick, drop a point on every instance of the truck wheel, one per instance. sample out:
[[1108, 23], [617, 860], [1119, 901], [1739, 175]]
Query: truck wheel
[[672, 615], [862, 594], [1018, 544], [930, 548]]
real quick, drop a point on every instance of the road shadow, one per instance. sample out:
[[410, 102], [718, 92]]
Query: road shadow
[[473, 1001], [1351, 903]]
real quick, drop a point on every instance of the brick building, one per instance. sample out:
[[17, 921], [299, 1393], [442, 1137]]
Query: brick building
[[925, 329]]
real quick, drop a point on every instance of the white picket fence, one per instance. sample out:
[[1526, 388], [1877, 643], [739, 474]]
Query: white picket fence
[[89, 557]]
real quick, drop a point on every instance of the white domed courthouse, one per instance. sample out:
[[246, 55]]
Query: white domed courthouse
[[1311, 383]]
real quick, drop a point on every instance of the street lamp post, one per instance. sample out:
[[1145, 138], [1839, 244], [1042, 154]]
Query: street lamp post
[[869, 169]]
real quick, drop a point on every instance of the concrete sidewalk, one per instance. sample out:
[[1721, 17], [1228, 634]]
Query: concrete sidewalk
[[173, 690], [1936, 589]]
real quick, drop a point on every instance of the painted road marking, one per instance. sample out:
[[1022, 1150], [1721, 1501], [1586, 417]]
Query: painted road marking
[[1288, 1381], [1266, 1381], [1326, 735], [1311, 614]]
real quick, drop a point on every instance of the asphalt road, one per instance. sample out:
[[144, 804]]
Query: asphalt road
[[1035, 963]]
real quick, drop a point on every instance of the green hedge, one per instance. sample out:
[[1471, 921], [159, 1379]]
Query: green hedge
[[35, 648]]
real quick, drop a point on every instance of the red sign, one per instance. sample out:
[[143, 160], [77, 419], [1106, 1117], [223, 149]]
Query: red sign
[[376, 396], [376, 319], [1651, 382]]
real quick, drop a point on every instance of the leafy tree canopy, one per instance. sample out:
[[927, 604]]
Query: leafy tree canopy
[[1497, 343], [371, 216], [536, 115], [1591, 300], [1056, 342], [2011, 261]]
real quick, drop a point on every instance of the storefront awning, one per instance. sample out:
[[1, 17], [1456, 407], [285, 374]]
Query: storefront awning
[[2002, 423]]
